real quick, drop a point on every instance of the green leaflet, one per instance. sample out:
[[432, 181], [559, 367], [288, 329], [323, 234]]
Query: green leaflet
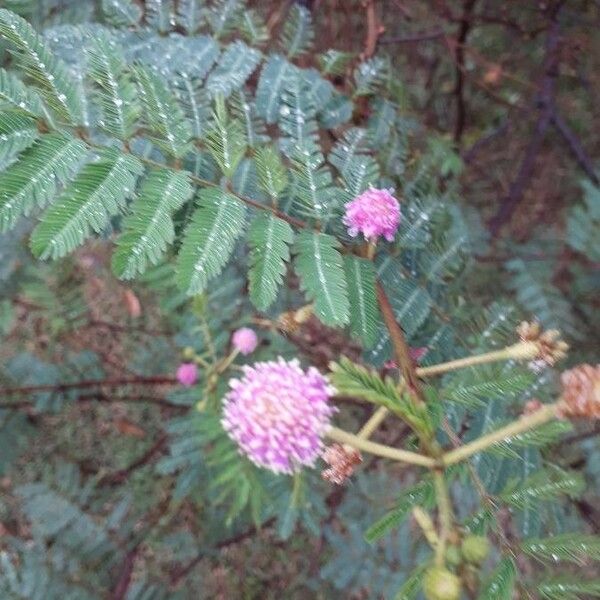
[[226, 140], [320, 268], [359, 382], [163, 113], [568, 588], [569, 547], [422, 494], [14, 95], [33, 179], [17, 132], [412, 586], [48, 72], [115, 91], [270, 238], [298, 34], [272, 175], [209, 239], [149, 229], [98, 192], [121, 13], [270, 87], [545, 484], [501, 584], [235, 66], [364, 310]]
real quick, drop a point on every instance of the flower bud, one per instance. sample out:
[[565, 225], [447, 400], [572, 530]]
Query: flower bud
[[188, 353], [581, 392], [475, 549], [441, 584]]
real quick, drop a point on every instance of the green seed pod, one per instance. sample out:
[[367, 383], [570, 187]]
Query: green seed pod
[[441, 584], [475, 549], [189, 353], [453, 556]]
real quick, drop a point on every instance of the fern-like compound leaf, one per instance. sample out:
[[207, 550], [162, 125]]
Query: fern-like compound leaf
[[272, 175], [320, 267], [149, 229], [17, 132], [575, 548], [163, 113], [235, 66], [33, 180], [209, 239], [46, 71], [86, 205], [298, 33], [270, 87], [568, 588], [545, 484], [501, 584], [121, 13], [116, 91], [226, 140], [364, 310], [270, 239], [14, 95], [422, 494]]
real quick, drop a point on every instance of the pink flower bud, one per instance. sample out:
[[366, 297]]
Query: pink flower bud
[[245, 340], [187, 374]]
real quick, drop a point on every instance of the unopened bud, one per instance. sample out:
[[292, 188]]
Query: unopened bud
[[441, 584]]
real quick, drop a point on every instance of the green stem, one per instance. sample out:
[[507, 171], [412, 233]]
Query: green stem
[[375, 420], [344, 437], [535, 419], [445, 515]]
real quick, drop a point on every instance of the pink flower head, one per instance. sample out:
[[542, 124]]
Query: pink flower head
[[373, 213], [277, 414], [187, 374], [245, 340]]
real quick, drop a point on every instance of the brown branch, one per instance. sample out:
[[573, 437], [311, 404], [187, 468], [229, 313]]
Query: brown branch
[[463, 32], [124, 581], [63, 387], [401, 348], [183, 572], [415, 38], [121, 475], [374, 29]]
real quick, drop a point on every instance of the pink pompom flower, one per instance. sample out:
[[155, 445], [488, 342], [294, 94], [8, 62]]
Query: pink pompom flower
[[277, 414], [187, 374], [245, 340], [374, 213]]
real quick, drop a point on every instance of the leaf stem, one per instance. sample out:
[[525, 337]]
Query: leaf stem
[[535, 419], [344, 437], [374, 421]]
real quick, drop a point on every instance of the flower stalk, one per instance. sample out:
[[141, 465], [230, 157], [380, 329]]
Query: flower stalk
[[365, 445], [525, 423]]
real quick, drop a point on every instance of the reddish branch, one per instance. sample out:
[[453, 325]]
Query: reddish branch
[[463, 32], [100, 383], [120, 476], [401, 348]]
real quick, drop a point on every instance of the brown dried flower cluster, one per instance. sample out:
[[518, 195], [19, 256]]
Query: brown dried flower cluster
[[342, 459], [581, 392], [550, 348]]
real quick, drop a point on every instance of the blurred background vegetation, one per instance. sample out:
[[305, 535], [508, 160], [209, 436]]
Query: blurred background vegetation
[[500, 102]]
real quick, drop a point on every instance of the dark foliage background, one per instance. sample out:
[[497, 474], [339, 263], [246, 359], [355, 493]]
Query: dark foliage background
[[99, 446]]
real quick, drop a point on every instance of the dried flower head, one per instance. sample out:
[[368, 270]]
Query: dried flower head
[[581, 392], [341, 460], [532, 406], [373, 213], [546, 346], [245, 340], [187, 374], [277, 414]]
